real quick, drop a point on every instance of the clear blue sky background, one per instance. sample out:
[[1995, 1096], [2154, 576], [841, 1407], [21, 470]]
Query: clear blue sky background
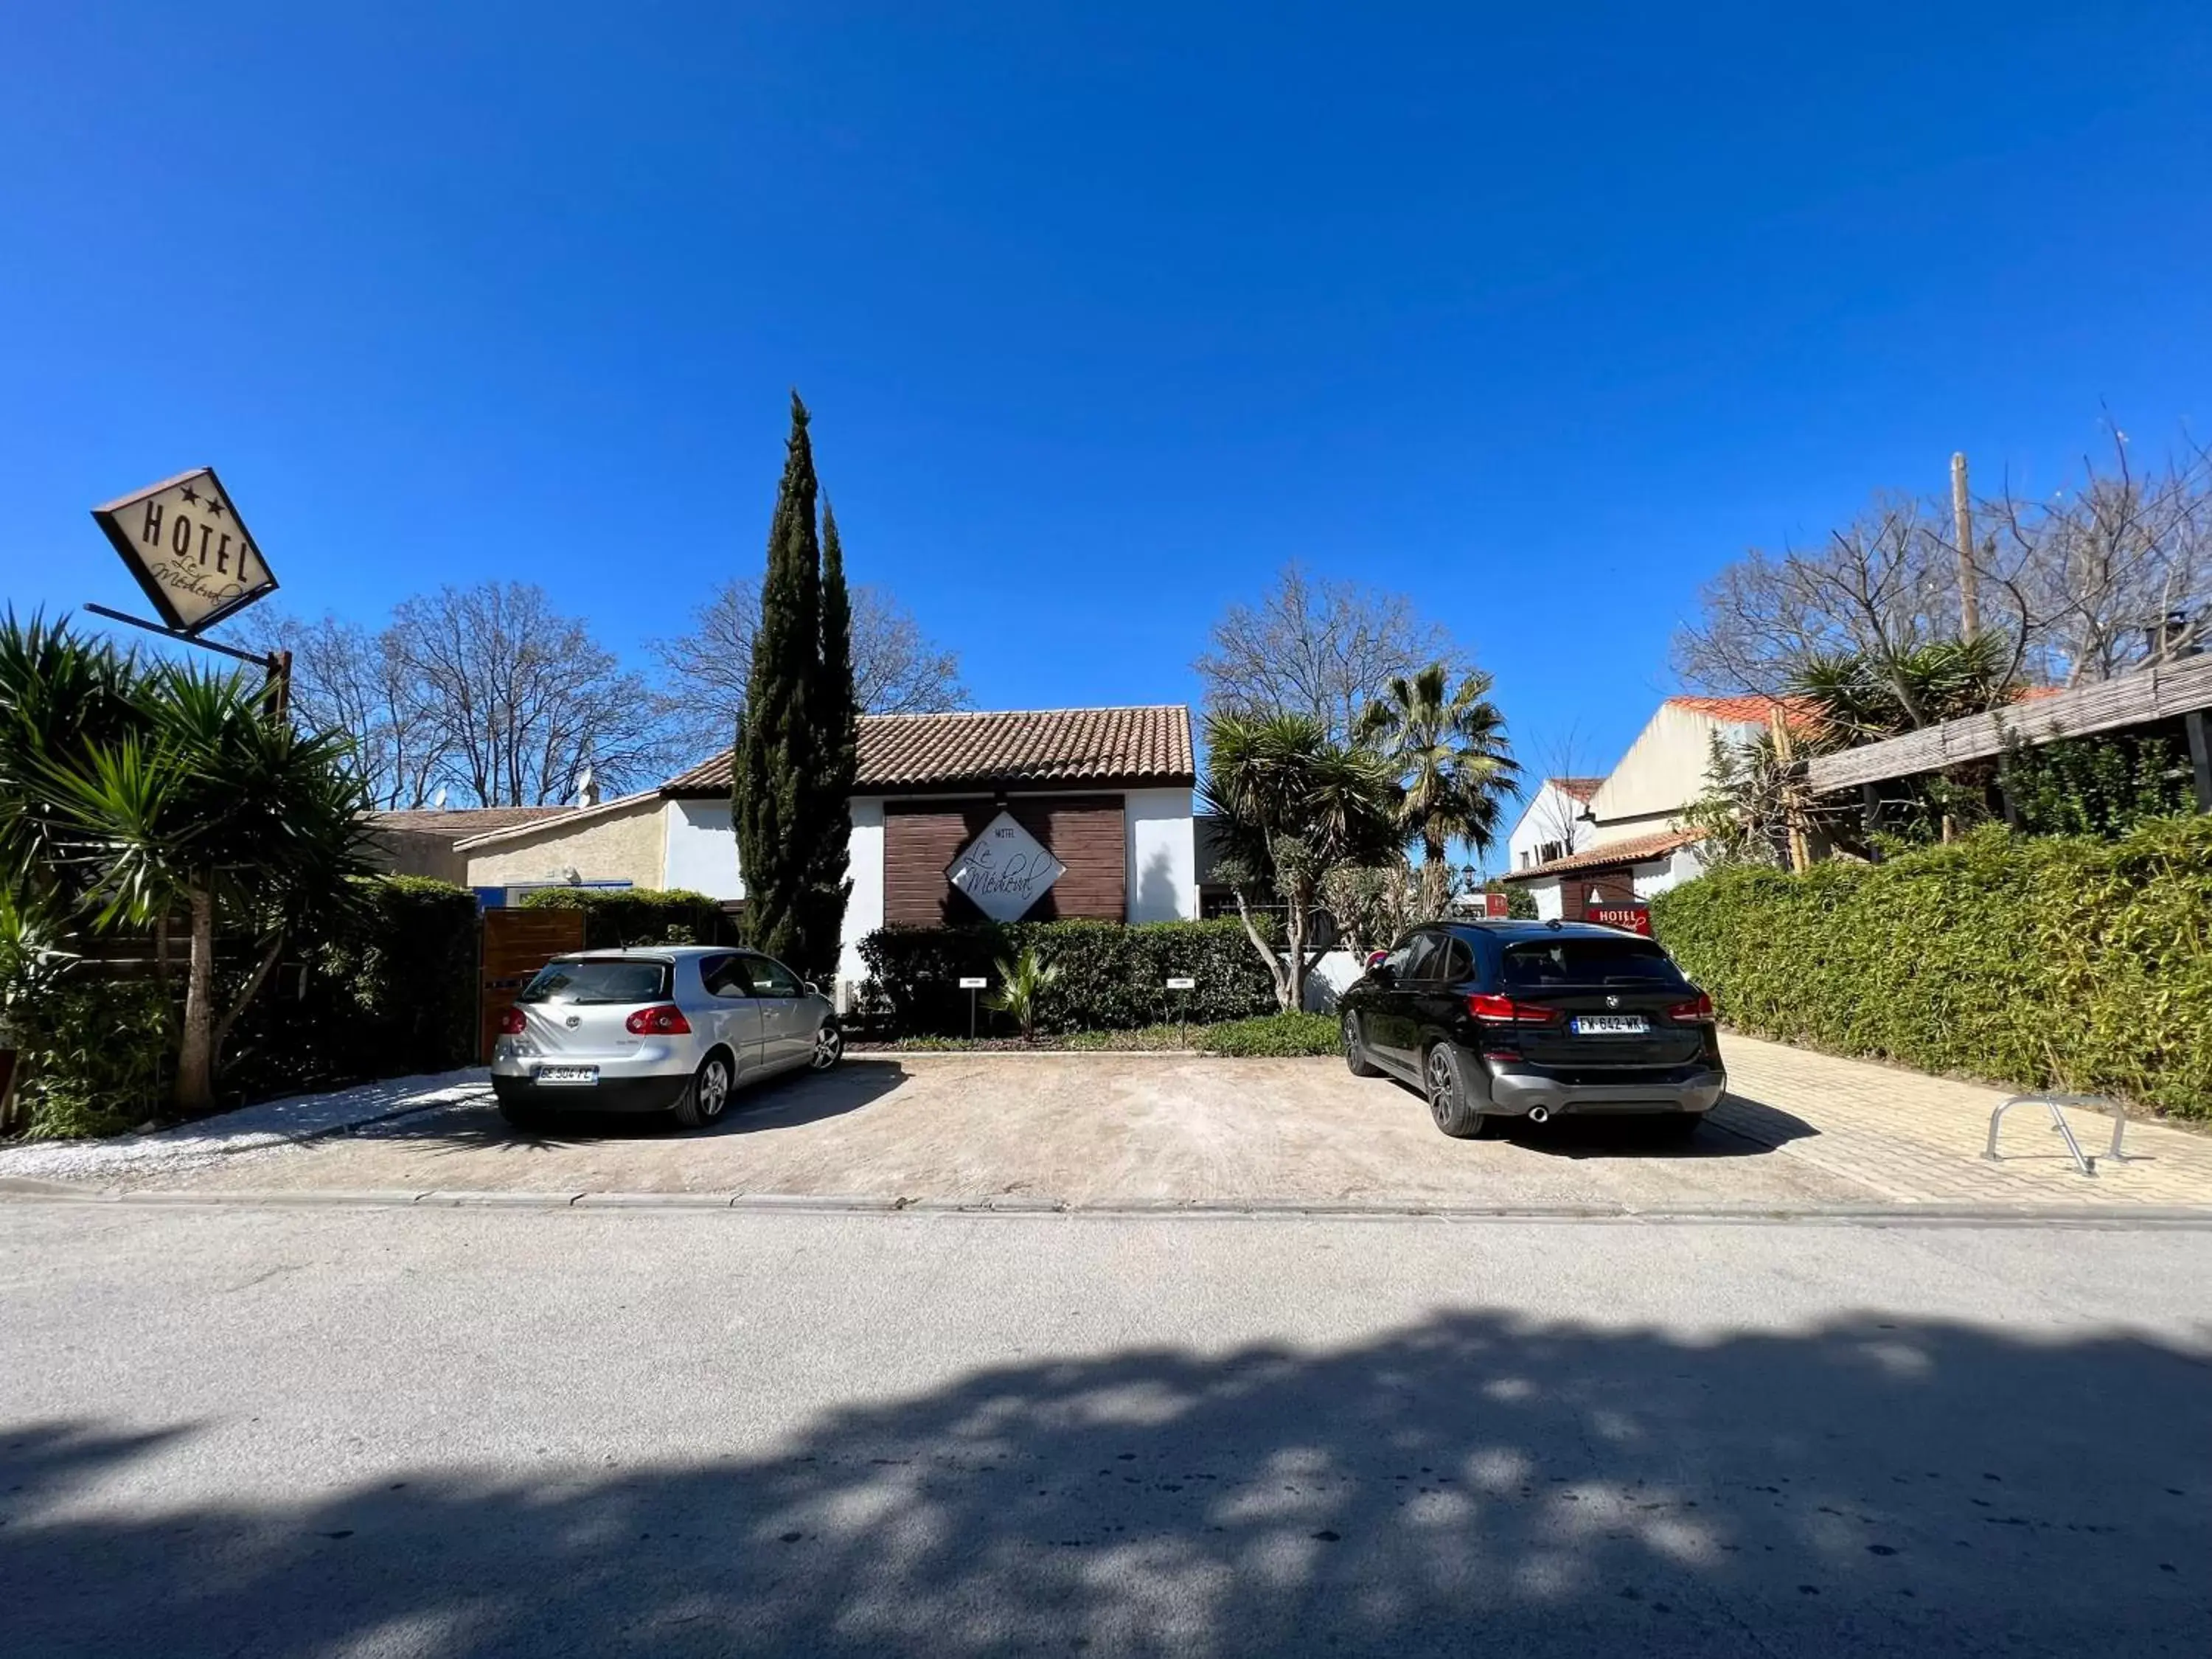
[[1539, 313]]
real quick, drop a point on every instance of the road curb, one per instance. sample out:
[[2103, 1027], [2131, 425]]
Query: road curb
[[16, 1190]]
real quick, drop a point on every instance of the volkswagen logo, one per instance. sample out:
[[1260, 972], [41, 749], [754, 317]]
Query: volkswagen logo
[[1610, 1002], [573, 1022]]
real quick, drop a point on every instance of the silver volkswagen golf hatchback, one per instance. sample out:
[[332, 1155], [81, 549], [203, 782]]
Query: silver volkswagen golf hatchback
[[672, 1029]]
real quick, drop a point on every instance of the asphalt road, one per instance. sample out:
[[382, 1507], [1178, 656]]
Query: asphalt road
[[259, 1431]]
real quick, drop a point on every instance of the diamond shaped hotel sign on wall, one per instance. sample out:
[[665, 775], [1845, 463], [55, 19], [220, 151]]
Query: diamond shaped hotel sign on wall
[[1005, 870], [186, 543]]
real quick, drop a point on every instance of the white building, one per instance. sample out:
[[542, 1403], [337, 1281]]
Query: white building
[[1627, 841], [1096, 803]]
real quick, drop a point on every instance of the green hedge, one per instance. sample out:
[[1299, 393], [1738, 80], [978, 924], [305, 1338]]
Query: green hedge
[[616, 916], [394, 993], [2026, 960], [1111, 977]]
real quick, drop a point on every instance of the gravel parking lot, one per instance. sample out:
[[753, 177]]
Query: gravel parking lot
[[1799, 1131], [1077, 1130]]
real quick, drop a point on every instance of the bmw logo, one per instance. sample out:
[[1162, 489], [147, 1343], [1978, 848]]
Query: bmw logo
[[1610, 1002]]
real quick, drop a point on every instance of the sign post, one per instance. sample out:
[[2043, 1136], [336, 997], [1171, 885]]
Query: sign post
[[1186, 986], [186, 545], [971, 986]]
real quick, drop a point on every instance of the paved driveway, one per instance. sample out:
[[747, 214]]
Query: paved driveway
[[1801, 1131]]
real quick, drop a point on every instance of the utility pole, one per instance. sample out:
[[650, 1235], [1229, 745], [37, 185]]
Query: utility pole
[[1793, 802], [1962, 516]]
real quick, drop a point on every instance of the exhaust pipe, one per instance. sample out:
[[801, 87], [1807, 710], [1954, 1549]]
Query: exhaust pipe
[[1540, 1115]]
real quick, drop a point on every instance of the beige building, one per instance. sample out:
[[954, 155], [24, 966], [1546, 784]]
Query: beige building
[[1626, 842]]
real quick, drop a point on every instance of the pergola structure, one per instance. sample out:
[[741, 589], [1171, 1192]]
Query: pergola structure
[[2177, 690]]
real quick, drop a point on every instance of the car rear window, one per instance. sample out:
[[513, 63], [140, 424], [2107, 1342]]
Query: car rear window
[[603, 980], [1587, 962]]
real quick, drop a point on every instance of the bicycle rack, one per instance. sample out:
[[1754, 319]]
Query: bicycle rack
[[2083, 1161]]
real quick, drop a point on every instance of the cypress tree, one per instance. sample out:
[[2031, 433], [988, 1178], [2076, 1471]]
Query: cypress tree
[[777, 759], [837, 738]]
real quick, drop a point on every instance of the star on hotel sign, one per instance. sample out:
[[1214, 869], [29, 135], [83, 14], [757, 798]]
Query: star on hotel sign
[[190, 550]]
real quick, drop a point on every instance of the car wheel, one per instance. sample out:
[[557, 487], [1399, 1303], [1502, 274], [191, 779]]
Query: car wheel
[[1452, 1097], [828, 1045], [1355, 1050], [702, 1101]]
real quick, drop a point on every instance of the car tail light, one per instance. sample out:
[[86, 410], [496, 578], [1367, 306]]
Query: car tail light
[[667, 1020], [512, 1023], [1493, 1009], [1698, 1007]]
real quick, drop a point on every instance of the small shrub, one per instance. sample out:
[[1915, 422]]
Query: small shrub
[[618, 916], [94, 1053], [1271, 1036], [1024, 982]]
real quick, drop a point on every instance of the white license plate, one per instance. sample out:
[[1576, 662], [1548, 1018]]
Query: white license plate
[[569, 1074], [1609, 1025]]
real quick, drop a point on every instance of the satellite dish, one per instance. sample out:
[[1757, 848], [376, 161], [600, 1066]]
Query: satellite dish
[[438, 800]]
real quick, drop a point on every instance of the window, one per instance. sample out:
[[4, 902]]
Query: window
[[1421, 964], [771, 978], [1550, 850], [1539, 963], [598, 980], [724, 976], [1458, 962]]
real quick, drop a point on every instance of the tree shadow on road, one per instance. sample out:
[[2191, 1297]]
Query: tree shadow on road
[[1472, 1483]]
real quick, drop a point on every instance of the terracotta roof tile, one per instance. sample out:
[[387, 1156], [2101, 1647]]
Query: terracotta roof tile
[[1581, 788], [1010, 746], [1751, 709], [1635, 849], [464, 821]]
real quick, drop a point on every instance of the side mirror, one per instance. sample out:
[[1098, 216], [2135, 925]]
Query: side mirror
[[812, 989]]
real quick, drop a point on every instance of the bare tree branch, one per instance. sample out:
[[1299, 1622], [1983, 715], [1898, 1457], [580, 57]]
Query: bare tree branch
[[1319, 647]]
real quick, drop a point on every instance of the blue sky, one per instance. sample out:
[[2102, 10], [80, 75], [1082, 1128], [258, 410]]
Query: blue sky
[[1104, 313]]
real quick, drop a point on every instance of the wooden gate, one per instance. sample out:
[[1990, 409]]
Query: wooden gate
[[516, 944]]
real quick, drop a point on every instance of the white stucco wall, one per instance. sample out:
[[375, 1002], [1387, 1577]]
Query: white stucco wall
[[1332, 970], [1683, 864], [864, 910], [702, 848], [1161, 847], [1550, 906], [1549, 816]]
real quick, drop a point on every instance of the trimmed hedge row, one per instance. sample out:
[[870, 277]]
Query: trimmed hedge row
[[1111, 977], [2037, 961], [616, 916], [394, 993]]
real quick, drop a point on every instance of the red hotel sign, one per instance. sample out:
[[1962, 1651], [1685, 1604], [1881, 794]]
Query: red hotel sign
[[1631, 917]]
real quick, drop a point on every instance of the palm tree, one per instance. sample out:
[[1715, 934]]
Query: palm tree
[[1851, 697], [1449, 751], [213, 808], [1292, 807]]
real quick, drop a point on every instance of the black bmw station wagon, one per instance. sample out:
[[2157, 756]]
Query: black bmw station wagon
[[1494, 1020]]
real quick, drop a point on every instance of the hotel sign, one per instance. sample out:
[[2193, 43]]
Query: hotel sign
[[190, 550], [1004, 871]]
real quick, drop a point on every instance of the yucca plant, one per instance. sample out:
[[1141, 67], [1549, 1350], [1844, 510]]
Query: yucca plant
[[1022, 983], [209, 808]]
